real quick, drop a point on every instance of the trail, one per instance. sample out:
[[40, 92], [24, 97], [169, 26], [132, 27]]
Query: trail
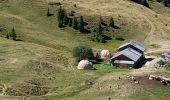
[[147, 38], [149, 66], [3, 14], [158, 51]]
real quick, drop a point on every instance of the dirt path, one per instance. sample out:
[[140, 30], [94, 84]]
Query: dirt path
[[158, 51], [3, 14], [148, 36]]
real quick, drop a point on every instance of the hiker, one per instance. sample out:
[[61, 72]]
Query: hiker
[[109, 98]]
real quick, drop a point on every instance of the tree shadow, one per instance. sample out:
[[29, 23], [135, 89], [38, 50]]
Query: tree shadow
[[119, 39], [49, 15], [104, 24], [18, 40], [86, 31], [85, 23], [107, 37], [116, 27], [54, 3]]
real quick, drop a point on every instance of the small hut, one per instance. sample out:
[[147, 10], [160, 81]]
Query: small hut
[[84, 64]]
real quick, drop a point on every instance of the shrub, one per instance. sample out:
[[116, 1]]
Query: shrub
[[82, 52]]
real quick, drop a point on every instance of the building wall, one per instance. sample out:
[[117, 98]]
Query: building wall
[[137, 64], [123, 65], [140, 62]]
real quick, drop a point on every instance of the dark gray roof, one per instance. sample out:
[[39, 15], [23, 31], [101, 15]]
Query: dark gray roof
[[130, 53], [135, 44]]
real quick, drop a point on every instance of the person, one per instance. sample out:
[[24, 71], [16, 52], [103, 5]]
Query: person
[[109, 98]]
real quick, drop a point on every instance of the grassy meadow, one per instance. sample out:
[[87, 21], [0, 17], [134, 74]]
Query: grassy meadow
[[41, 63]]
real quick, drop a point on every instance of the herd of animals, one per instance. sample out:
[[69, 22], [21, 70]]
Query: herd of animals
[[161, 79]]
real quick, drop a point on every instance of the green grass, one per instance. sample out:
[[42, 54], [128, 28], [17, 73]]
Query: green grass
[[45, 53], [105, 68]]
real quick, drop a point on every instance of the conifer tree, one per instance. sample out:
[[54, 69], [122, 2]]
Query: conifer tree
[[13, 34], [111, 23], [48, 12], [7, 36], [70, 22], [66, 19], [99, 32], [61, 14], [75, 23], [81, 24]]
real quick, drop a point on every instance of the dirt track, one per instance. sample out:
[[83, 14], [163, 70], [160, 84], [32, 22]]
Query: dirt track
[[147, 39]]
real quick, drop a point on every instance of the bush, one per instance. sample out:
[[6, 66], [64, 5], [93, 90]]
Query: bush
[[82, 52]]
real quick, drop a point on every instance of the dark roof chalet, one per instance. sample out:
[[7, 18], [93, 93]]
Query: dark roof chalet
[[129, 53]]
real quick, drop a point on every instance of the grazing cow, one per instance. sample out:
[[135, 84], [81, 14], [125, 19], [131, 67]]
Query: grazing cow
[[133, 78], [168, 82], [136, 82], [119, 78], [163, 82], [151, 77]]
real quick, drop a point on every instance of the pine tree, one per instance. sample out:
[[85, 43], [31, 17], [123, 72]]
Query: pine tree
[[13, 34], [81, 24], [66, 19], [166, 3], [7, 36], [99, 32], [70, 22], [61, 14], [145, 3], [48, 12], [75, 23], [111, 24]]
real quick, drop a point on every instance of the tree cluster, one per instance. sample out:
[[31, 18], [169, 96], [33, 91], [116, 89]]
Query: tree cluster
[[69, 19], [65, 19], [98, 35]]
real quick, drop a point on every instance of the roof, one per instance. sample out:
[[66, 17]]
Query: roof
[[130, 53], [124, 62], [135, 44]]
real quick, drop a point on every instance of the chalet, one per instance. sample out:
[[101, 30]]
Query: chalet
[[129, 55]]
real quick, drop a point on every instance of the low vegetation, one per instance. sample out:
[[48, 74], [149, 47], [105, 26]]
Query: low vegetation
[[82, 52]]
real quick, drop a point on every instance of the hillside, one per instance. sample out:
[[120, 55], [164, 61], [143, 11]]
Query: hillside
[[137, 19], [40, 66]]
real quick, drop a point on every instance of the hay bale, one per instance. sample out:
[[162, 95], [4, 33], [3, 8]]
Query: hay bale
[[84, 64], [105, 54]]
